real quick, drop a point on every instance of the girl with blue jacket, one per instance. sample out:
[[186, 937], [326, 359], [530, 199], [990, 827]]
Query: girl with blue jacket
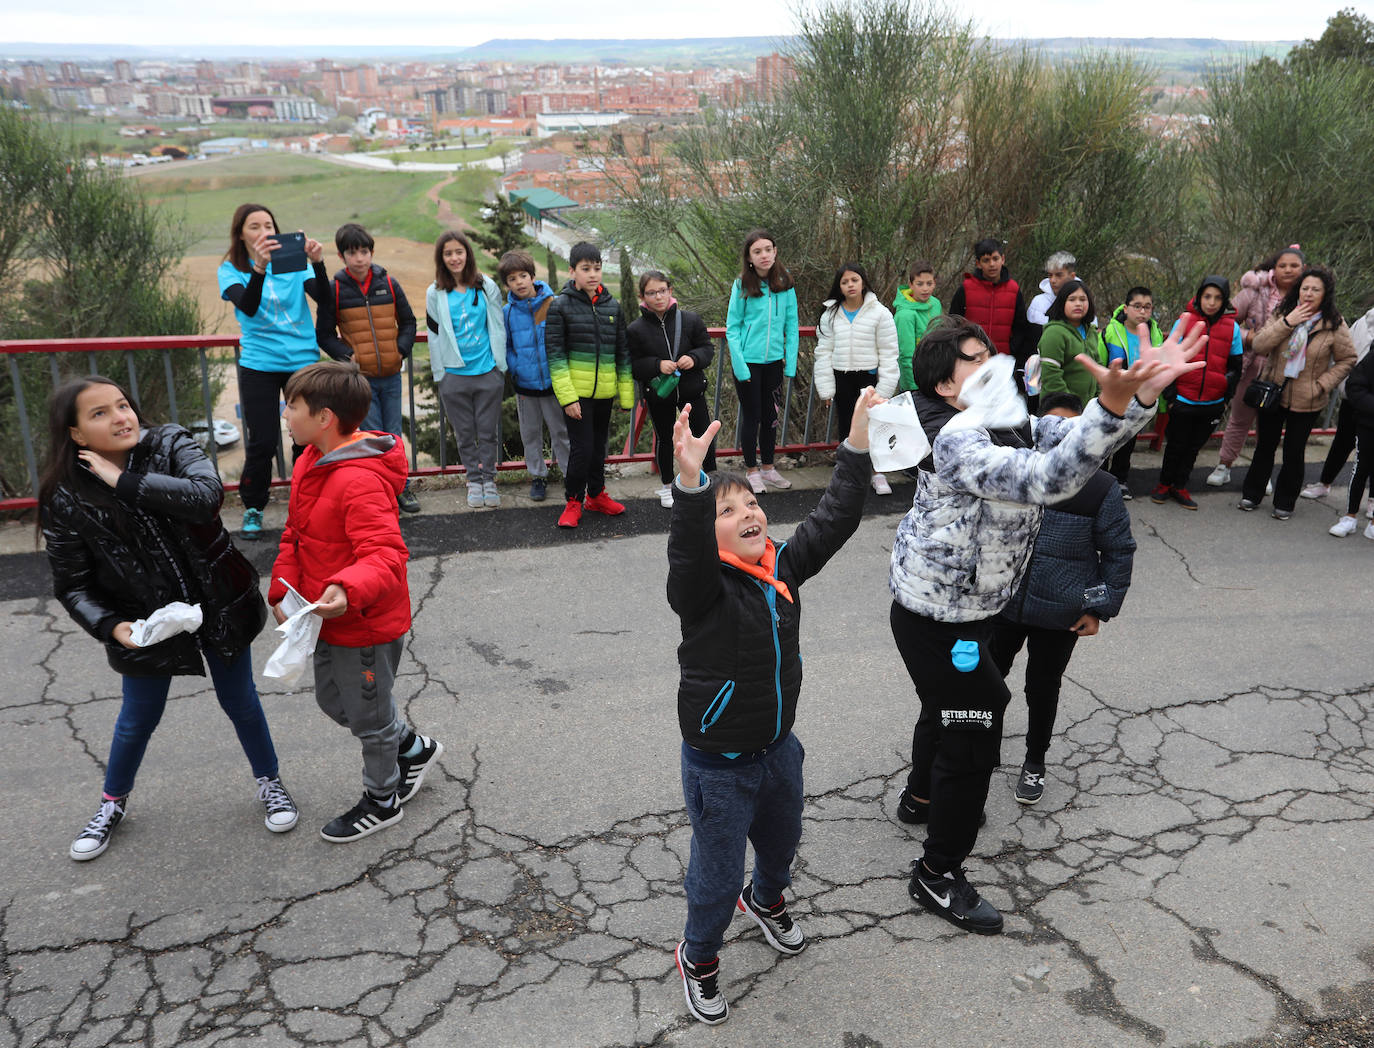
[[761, 330]]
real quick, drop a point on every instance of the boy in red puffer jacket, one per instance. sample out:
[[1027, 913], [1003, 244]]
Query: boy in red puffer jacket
[[342, 548]]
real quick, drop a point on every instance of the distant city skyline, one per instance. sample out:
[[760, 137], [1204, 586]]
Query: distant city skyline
[[411, 23]]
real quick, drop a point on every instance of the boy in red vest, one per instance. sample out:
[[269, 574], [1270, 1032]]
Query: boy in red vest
[[342, 549], [365, 315], [992, 299]]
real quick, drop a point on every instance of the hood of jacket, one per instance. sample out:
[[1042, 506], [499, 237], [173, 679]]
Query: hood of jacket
[[380, 452], [542, 291], [904, 302]]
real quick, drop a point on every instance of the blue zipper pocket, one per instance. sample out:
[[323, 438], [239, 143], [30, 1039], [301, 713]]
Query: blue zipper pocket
[[717, 706]]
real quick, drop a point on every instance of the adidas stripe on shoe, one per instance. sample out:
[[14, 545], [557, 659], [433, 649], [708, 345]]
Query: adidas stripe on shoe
[[362, 820], [414, 769], [778, 928]]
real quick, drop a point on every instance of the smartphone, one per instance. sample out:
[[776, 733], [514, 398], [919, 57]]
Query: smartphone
[[290, 257]]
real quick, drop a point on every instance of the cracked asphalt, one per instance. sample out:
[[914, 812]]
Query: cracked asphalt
[[1198, 873]]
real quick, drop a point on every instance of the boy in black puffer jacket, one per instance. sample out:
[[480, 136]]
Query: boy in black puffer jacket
[[1078, 575], [737, 596]]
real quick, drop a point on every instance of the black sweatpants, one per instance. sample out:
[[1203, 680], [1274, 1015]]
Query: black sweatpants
[[260, 398], [1047, 657], [1189, 427], [663, 414], [956, 744], [1342, 443], [1293, 427], [758, 413], [587, 448], [848, 386]]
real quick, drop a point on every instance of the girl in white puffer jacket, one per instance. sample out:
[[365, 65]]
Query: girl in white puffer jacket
[[856, 346]]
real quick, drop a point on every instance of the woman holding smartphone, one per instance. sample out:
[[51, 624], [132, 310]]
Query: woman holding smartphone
[[277, 336]]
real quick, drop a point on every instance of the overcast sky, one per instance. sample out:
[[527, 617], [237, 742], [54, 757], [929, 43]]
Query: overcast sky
[[469, 22]]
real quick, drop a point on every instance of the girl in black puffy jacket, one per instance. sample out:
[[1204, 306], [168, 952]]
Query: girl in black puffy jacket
[[131, 520]]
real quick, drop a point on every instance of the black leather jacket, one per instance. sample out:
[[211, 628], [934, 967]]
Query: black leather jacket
[[117, 556]]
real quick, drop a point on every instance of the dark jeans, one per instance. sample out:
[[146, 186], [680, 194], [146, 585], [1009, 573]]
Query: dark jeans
[[1342, 443], [1294, 427], [848, 386], [1047, 657], [956, 744], [758, 412], [754, 799], [146, 697], [587, 448], [1189, 427], [663, 414], [260, 396]]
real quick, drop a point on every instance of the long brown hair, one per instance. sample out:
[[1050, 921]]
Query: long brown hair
[[778, 277], [61, 467], [442, 277], [238, 250]]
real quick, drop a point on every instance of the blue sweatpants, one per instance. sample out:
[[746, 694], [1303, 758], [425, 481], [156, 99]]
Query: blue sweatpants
[[756, 797]]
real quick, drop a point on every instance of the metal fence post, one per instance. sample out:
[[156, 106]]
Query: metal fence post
[[24, 431], [210, 409], [172, 390]]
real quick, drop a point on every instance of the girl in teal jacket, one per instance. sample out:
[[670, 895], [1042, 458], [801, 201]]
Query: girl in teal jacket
[[761, 331]]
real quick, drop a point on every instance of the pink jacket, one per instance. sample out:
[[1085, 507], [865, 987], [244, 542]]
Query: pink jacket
[[1256, 301]]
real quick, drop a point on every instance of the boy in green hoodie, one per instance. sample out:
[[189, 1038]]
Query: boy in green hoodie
[[914, 309]]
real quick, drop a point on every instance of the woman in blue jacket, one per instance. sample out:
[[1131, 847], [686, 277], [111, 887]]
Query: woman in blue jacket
[[761, 329]]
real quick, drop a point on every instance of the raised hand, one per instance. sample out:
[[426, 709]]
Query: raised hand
[[690, 451], [1157, 368]]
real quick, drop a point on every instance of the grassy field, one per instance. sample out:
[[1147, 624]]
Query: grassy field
[[105, 131], [303, 192]]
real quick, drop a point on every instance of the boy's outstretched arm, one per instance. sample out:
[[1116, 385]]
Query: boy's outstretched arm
[[828, 526], [693, 561]]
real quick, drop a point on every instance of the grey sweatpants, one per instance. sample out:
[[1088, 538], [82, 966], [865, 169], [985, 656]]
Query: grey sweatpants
[[353, 688], [536, 413], [473, 406]]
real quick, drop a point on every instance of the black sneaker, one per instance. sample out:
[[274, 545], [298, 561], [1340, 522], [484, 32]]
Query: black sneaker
[[1031, 786], [413, 769], [778, 929], [1181, 496], [281, 813], [95, 838], [1125, 492], [910, 811], [362, 820], [408, 502], [539, 489], [704, 999], [953, 898]]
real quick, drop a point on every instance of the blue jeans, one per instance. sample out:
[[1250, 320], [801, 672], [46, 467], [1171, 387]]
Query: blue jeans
[[146, 697], [384, 416], [757, 799]]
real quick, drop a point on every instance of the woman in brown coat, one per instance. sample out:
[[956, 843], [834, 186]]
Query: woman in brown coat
[[1310, 351]]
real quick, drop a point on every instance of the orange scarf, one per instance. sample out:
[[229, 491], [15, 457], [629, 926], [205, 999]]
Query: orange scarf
[[763, 570]]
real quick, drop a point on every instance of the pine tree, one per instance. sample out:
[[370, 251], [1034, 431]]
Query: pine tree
[[503, 229], [629, 294], [553, 271]]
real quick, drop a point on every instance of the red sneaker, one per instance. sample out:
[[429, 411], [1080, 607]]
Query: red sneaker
[[1160, 495], [603, 503], [571, 515]]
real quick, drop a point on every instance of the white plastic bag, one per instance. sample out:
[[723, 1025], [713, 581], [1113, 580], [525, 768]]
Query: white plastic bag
[[300, 631], [990, 398], [167, 621], [896, 439]]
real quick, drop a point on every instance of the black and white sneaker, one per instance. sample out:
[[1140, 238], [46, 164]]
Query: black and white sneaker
[[910, 811], [281, 809], [362, 820], [704, 999], [1031, 786], [413, 769], [95, 838], [782, 934], [952, 897]]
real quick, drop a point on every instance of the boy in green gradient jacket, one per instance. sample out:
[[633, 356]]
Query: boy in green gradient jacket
[[589, 366]]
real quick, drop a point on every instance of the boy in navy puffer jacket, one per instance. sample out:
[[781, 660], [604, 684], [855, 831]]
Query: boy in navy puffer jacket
[[527, 306], [1079, 572], [738, 598]]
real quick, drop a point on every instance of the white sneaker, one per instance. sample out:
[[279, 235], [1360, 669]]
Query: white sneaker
[[665, 496], [1316, 491], [1269, 488], [1219, 476], [1369, 531], [1369, 510], [773, 478], [1343, 527], [880, 484], [756, 482]]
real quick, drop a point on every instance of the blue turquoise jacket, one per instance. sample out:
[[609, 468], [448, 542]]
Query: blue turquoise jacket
[[761, 329], [526, 360]]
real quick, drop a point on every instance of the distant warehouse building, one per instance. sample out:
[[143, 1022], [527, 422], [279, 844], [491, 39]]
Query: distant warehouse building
[[219, 146]]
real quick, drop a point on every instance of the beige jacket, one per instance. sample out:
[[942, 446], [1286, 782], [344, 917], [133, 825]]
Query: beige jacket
[[1330, 356]]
